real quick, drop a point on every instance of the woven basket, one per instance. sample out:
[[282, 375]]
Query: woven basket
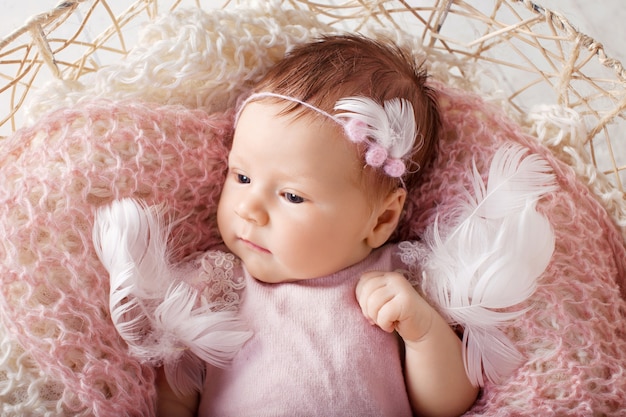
[[527, 55], [516, 52], [526, 59]]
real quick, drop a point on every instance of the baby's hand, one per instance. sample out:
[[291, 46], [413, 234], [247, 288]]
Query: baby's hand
[[388, 300]]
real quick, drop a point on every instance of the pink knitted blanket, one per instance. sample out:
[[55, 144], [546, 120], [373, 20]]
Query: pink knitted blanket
[[574, 335], [54, 292]]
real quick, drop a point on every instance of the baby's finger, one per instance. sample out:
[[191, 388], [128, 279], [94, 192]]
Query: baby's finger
[[388, 315], [373, 294], [368, 283], [366, 279]]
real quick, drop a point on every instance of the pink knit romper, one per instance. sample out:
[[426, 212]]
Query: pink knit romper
[[312, 354]]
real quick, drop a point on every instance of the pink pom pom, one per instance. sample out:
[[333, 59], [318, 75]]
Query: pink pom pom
[[355, 130], [376, 156], [395, 168]]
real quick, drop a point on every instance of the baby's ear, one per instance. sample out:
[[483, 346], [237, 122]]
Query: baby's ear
[[387, 218]]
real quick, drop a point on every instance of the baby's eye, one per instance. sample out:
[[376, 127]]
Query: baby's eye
[[243, 179], [293, 198]]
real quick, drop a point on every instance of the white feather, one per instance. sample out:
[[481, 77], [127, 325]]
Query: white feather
[[489, 261], [392, 125], [188, 336], [135, 260], [213, 336], [131, 237], [157, 316]]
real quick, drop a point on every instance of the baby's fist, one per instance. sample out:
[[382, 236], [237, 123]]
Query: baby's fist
[[388, 300]]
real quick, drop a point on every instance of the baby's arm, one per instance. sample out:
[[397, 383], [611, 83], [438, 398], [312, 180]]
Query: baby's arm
[[171, 405], [435, 374]]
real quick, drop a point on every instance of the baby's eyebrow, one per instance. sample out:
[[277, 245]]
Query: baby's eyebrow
[[235, 159]]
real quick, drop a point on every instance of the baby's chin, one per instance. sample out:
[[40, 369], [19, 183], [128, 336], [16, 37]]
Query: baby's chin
[[270, 275]]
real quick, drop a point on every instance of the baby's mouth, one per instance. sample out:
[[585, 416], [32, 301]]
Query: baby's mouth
[[254, 246]]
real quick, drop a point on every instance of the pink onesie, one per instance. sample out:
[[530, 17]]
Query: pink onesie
[[312, 354]]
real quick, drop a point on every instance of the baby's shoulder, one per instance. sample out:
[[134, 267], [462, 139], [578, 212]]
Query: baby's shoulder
[[218, 276]]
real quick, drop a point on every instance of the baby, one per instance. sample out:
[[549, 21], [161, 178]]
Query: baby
[[323, 153]]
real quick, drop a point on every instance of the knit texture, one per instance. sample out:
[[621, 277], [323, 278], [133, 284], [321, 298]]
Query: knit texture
[[60, 354], [53, 290], [312, 352], [193, 58], [573, 334]]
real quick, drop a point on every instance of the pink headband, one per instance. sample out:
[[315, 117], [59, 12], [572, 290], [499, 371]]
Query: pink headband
[[389, 131]]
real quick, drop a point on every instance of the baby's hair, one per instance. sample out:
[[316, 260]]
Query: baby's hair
[[338, 66]]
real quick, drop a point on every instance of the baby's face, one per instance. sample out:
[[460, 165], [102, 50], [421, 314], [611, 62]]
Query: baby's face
[[292, 207]]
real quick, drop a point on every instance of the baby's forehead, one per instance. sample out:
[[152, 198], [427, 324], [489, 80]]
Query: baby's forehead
[[305, 145], [288, 122], [289, 110]]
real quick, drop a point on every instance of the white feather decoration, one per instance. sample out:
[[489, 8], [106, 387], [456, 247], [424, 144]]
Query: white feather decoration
[[156, 315], [391, 125], [489, 261]]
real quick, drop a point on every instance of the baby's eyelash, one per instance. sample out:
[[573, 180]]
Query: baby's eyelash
[[293, 198], [243, 179]]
